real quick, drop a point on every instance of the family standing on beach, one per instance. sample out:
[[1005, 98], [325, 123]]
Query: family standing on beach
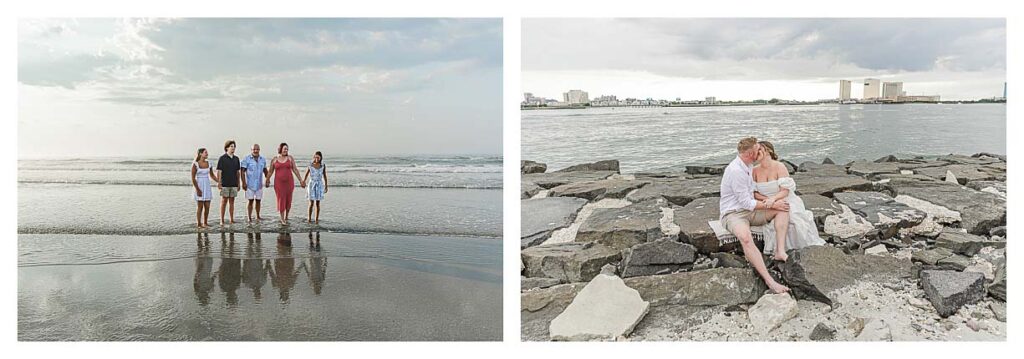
[[761, 195], [253, 174]]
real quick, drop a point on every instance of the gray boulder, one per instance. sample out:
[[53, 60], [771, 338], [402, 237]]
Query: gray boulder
[[823, 333], [606, 165], [541, 306], [997, 289], [965, 243], [679, 192], [882, 211], [954, 262], [554, 179], [826, 183], [528, 189], [714, 170], [541, 216], [567, 262], [621, 228], [950, 290], [526, 167], [815, 272], [980, 211], [693, 219], [821, 206], [889, 158], [869, 169], [528, 283], [596, 190], [964, 173], [931, 256], [654, 257], [717, 286]]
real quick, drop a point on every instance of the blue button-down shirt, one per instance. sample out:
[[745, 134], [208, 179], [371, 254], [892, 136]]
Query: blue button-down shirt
[[254, 171]]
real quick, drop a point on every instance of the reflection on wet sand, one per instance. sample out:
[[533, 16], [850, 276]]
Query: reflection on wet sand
[[203, 280], [317, 268], [229, 274], [253, 270]]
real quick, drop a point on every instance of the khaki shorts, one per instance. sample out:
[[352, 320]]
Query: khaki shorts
[[751, 218], [230, 192]]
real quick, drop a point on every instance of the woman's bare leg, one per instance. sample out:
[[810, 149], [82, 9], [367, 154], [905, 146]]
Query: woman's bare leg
[[309, 216], [206, 213], [317, 211], [199, 214], [781, 229]]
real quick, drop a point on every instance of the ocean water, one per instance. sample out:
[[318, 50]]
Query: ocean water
[[669, 138], [459, 195], [407, 248]]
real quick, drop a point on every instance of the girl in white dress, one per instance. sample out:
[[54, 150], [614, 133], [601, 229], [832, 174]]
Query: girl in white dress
[[201, 176], [772, 183]]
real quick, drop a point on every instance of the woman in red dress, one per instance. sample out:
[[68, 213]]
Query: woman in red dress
[[284, 166]]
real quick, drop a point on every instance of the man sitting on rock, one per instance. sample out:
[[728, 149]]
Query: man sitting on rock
[[739, 210]]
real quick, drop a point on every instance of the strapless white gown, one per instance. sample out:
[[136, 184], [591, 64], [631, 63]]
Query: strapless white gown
[[802, 230]]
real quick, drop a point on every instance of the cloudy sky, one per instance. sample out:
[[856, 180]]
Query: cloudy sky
[[144, 87], [746, 59]]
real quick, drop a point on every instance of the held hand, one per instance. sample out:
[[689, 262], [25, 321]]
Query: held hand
[[199, 192], [219, 185], [303, 184], [326, 188], [267, 185], [781, 206], [244, 187], [770, 202]]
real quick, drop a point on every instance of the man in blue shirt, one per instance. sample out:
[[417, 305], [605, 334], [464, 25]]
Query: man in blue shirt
[[254, 170]]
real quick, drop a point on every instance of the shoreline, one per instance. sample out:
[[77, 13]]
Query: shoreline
[[531, 108]]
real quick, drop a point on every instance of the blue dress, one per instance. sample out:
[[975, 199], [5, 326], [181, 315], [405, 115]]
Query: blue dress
[[315, 189]]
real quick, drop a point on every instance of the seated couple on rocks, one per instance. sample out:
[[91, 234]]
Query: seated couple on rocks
[[757, 191]]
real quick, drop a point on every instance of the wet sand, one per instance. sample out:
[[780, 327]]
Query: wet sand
[[267, 287]]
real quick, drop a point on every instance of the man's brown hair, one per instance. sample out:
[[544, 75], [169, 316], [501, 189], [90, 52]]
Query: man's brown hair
[[746, 144], [228, 143]]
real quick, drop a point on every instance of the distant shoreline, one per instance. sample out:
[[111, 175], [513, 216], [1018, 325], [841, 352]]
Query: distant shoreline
[[754, 104]]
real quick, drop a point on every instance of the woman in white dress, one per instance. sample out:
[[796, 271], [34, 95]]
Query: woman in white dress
[[772, 183]]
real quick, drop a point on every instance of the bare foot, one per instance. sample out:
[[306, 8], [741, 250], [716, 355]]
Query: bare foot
[[777, 288], [780, 256], [309, 220], [222, 223], [232, 221]]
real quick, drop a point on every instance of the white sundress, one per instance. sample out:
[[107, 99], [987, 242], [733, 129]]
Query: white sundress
[[802, 230], [203, 180]]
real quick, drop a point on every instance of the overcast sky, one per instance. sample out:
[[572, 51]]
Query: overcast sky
[[131, 87], [746, 59]]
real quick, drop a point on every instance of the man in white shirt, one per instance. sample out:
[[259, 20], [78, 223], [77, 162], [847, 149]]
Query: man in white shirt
[[739, 210]]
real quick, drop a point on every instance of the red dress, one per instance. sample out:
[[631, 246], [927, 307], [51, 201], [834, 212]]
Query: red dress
[[284, 185]]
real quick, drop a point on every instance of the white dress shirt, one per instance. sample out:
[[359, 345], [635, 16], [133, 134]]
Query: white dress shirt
[[737, 188]]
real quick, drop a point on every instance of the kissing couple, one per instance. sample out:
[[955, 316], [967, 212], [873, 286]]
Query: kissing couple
[[757, 191]]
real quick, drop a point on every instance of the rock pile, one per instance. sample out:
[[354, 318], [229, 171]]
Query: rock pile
[[905, 225]]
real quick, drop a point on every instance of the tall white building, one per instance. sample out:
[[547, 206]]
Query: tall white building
[[576, 97], [892, 90], [844, 89], [872, 88]]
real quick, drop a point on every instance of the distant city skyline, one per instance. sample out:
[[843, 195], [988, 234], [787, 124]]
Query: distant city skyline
[[163, 87], [747, 59]]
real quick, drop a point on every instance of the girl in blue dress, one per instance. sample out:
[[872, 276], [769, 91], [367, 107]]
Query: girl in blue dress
[[317, 176]]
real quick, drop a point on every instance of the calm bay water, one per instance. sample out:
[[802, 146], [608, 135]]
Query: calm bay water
[[647, 139]]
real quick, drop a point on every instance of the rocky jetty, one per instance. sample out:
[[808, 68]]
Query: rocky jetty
[[915, 250]]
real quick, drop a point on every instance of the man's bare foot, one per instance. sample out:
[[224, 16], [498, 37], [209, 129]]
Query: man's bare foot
[[781, 256], [777, 288]]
